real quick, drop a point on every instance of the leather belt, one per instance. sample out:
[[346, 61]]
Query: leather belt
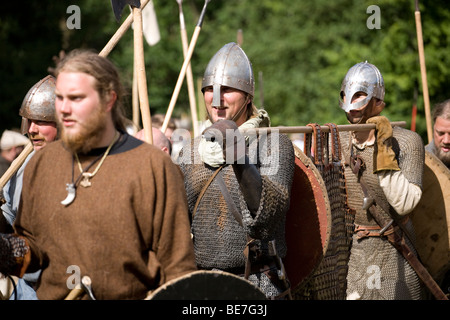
[[373, 231], [376, 231]]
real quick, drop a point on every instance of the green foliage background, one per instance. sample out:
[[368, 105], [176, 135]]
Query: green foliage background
[[300, 51]]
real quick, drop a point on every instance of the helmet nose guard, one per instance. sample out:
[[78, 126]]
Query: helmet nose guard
[[229, 67], [362, 77]]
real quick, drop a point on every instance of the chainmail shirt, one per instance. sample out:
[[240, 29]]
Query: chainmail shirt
[[377, 271], [219, 240]]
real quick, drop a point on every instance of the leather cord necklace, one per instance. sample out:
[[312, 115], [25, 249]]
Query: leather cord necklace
[[71, 187]]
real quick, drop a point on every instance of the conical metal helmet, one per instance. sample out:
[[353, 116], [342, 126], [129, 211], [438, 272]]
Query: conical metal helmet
[[229, 67], [364, 77], [39, 103]]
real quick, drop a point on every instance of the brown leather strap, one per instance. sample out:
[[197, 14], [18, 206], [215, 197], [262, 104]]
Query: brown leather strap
[[249, 266], [372, 231], [397, 239], [202, 192], [231, 205], [335, 142], [317, 155], [237, 215]]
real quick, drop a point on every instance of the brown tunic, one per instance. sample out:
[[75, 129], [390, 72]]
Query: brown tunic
[[129, 231]]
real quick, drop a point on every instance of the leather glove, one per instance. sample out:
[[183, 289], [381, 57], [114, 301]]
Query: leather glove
[[234, 151], [227, 134], [13, 251], [385, 156]]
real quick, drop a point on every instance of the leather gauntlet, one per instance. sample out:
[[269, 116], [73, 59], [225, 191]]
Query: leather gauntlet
[[385, 156]]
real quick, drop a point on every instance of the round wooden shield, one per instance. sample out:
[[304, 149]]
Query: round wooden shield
[[308, 221], [431, 218], [208, 285]]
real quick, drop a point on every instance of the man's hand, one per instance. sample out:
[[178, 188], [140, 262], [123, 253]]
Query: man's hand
[[385, 156], [227, 134]]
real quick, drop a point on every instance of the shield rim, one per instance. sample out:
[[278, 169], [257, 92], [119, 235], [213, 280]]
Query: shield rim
[[322, 205]]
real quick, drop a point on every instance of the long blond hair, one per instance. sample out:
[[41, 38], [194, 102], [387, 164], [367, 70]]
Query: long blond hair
[[106, 77]]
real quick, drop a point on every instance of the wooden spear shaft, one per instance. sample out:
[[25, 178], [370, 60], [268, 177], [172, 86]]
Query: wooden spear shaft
[[15, 165], [141, 76], [182, 74], [189, 77], [135, 98], [120, 32], [308, 129], [423, 71]]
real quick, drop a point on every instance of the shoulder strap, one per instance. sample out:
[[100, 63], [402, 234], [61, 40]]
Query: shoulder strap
[[234, 210], [231, 205], [202, 192]]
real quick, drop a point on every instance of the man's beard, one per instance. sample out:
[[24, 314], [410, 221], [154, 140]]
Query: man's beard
[[89, 135], [444, 157]]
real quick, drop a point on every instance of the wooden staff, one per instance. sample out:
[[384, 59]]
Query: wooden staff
[[423, 72], [307, 129], [135, 98], [189, 77], [120, 32], [75, 293], [141, 76], [16, 164], [182, 74]]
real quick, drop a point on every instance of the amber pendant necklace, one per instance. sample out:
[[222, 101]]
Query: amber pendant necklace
[[71, 187]]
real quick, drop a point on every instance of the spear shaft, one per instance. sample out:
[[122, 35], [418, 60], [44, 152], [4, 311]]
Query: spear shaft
[[308, 129], [182, 74], [423, 72], [120, 32], [189, 77]]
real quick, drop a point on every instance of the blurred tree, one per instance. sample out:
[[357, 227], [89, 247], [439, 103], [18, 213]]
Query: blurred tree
[[29, 37], [302, 50]]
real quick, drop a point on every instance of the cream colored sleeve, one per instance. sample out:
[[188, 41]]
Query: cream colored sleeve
[[402, 195]]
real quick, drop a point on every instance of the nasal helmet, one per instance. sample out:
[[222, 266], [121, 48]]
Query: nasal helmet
[[362, 77], [39, 103], [229, 67]]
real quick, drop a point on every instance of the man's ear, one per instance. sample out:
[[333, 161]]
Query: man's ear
[[112, 97], [166, 150], [379, 106]]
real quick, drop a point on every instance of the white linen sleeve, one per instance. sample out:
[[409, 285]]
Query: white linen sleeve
[[402, 195]]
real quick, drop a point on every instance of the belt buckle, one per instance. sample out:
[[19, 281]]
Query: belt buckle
[[383, 230]]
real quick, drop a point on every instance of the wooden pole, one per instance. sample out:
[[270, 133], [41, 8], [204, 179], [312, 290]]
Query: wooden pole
[[135, 98], [75, 293], [141, 76], [16, 164], [120, 32], [423, 72], [182, 74], [308, 129], [189, 77]]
